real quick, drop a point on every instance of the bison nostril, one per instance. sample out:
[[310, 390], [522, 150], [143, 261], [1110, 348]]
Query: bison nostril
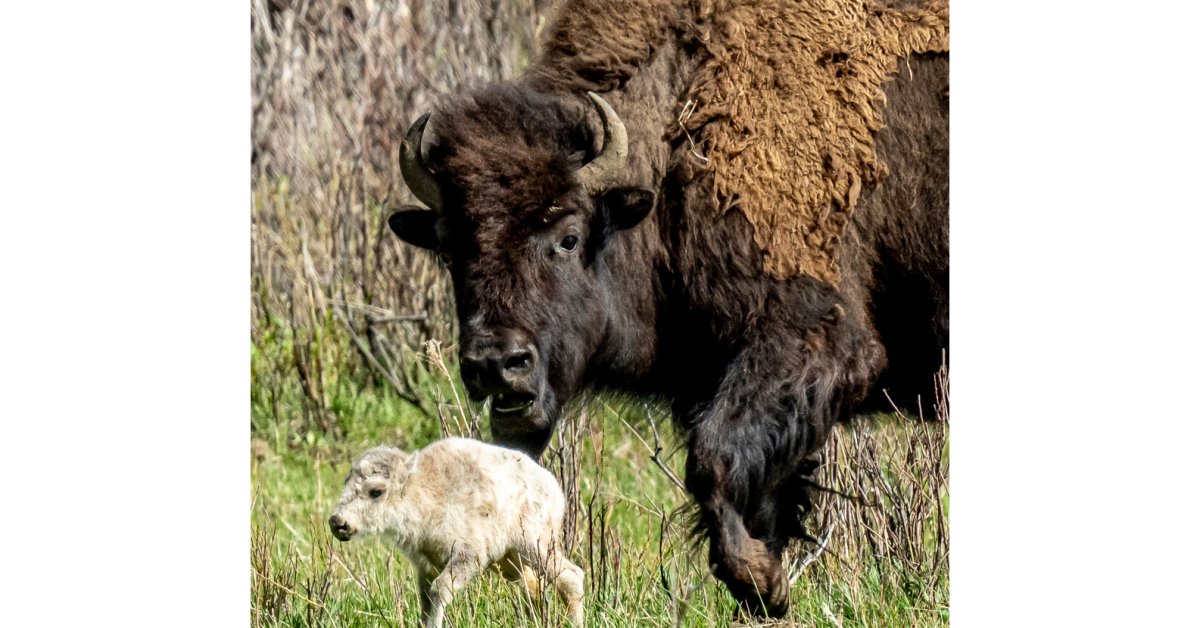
[[519, 360], [497, 364]]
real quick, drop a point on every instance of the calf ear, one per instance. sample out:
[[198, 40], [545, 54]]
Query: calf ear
[[626, 207], [416, 226]]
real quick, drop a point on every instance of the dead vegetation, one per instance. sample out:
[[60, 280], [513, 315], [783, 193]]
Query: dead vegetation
[[334, 85]]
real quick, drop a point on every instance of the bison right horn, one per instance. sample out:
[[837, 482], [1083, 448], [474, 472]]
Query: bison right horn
[[601, 172], [412, 167]]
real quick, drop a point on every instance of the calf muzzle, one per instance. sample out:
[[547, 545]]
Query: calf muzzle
[[341, 528]]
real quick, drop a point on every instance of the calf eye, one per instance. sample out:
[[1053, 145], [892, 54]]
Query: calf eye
[[568, 243], [375, 493]]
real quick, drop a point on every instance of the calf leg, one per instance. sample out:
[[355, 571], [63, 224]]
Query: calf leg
[[566, 576], [458, 572], [568, 582], [774, 407], [514, 569]]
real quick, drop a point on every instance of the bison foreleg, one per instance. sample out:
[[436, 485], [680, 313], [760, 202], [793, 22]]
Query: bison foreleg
[[752, 443]]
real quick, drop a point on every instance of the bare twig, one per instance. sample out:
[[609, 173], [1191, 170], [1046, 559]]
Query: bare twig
[[656, 450], [896, 409], [808, 559], [656, 457], [403, 318], [362, 585], [369, 357], [289, 590]]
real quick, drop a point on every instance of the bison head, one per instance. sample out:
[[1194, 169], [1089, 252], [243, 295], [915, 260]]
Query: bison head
[[522, 204]]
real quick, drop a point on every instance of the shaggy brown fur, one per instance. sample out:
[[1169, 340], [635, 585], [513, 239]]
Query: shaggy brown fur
[[659, 283], [790, 100], [571, 58], [785, 106]]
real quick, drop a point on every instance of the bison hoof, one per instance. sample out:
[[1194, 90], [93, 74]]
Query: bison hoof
[[770, 602], [756, 579]]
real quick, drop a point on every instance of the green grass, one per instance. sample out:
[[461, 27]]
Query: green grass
[[630, 518]]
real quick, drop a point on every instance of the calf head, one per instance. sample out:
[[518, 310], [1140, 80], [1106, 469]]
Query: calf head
[[521, 207], [372, 487]]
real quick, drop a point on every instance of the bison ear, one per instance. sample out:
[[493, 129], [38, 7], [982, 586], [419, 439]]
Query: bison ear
[[626, 207], [416, 226]]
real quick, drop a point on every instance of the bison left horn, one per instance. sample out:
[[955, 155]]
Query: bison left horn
[[412, 167], [605, 170]]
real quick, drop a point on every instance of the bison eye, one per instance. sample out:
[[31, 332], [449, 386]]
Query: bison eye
[[569, 243], [375, 493]]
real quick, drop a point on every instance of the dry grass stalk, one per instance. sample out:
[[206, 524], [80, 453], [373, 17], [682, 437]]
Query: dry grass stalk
[[886, 495]]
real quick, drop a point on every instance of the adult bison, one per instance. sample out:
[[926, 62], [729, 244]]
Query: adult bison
[[747, 217]]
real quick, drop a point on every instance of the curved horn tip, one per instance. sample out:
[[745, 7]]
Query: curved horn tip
[[607, 166], [412, 166]]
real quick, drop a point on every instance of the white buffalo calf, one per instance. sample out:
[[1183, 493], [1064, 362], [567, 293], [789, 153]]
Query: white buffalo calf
[[457, 507]]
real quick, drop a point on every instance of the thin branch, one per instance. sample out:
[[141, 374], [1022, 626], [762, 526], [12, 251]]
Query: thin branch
[[352, 575], [369, 356], [289, 589], [658, 450], [895, 408], [813, 555], [402, 318]]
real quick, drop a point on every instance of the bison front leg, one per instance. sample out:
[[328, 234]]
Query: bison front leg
[[752, 444]]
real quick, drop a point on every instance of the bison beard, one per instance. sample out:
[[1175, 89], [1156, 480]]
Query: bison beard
[[580, 261]]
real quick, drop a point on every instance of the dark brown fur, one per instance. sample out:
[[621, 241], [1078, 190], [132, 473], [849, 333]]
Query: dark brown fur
[[673, 298]]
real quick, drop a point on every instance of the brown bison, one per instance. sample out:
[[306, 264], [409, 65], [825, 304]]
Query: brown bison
[[740, 207]]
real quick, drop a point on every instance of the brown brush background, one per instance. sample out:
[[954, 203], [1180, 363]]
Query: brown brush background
[[335, 84]]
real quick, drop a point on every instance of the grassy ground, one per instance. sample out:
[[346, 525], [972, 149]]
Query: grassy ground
[[885, 564]]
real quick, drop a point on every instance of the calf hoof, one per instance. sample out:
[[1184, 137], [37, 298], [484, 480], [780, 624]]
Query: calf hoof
[[756, 579]]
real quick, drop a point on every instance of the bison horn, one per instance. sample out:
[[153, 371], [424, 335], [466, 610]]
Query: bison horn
[[601, 172], [412, 167]]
